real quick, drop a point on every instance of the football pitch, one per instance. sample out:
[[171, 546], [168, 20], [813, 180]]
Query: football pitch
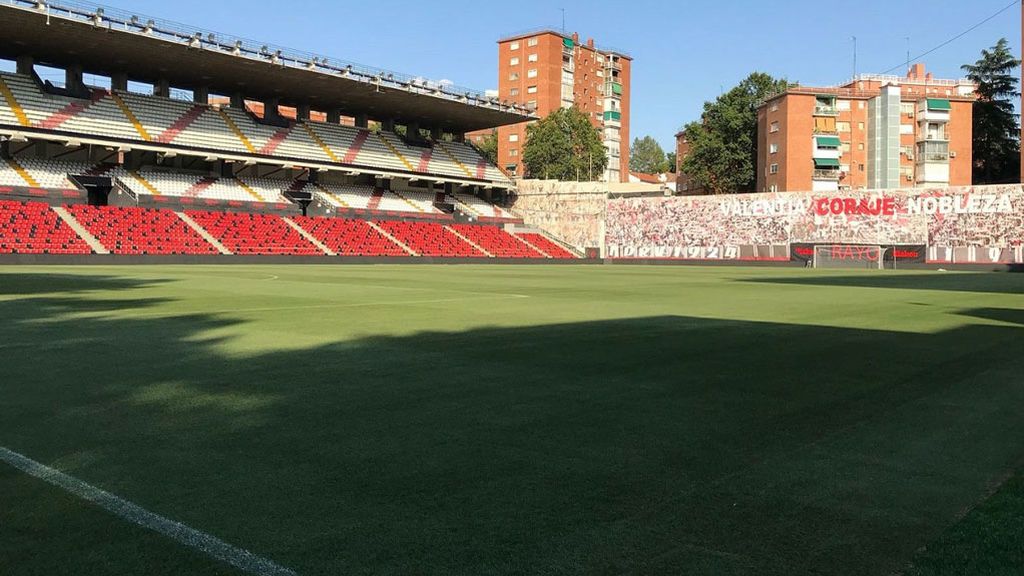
[[493, 420]]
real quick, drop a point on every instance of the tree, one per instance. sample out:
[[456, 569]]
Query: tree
[[723, 144], [646, 155], [489, 146], [670, 160], [996, 130], [564, 146]]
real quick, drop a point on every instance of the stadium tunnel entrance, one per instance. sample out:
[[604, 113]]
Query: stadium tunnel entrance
[[97, 188]]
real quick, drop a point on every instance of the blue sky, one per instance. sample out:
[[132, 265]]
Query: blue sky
[[684, 52]]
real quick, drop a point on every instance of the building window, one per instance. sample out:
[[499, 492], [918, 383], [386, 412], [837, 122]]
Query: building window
[[531, 42], [860, 126], [774, 127], [907, 109], [513, 62], [531, 73], [513, 152], [513, 46], [774, 107], [513, 92], [860, 167], [860, 146], [842, 126], [860, 104], [531, 90], [773, 169], [513, 76], [773, 148], [845, 147], [842, 105], [532, 104], [531, 58], [513, 137]]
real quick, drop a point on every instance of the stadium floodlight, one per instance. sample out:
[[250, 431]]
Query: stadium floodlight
[[149, 26], [40, 5], [238, 48], [134, 21], [211, 38], [312, 63], [211, 159], [97, 17], [72, 144]]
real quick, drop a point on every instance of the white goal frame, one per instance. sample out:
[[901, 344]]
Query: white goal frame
[[856, 254]]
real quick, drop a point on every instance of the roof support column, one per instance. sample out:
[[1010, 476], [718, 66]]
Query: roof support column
[[73, 78], [25, 65], [270, 109], [201, 95], [412, 130], [162, 88], [459, 137], [436, 134], [238, 101], [302, 112], [334, 116], [388, 125], [362, 121], [119, 81]]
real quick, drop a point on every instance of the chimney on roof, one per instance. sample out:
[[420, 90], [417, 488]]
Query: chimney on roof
[[916, 71], [590, 42], [928, 77], [575, 38]]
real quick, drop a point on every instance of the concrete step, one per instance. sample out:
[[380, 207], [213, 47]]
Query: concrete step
[[75, 225], [312, 239], [202, 232]]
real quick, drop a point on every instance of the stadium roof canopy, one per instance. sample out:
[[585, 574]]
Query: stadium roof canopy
[[105, 40]]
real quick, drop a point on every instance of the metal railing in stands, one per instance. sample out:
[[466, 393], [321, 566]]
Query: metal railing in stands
[[117, 19]]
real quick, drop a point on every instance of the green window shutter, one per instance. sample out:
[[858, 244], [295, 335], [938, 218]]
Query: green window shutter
[[938, 104], [613, 115], [826, 163], [617, 88], [568, 43], [828, 141]]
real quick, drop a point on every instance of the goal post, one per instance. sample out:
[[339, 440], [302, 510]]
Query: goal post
[[849, 256]]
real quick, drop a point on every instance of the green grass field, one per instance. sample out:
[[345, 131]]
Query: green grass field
[[492, 420]]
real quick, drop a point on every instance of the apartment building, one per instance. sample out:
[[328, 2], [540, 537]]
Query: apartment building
[[549, 70], [873, 132]]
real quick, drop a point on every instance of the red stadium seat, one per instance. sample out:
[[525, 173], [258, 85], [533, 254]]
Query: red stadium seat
[[496, 241], [430, 239], [32, 228], [243, 233], [133, 230], [350, 237]]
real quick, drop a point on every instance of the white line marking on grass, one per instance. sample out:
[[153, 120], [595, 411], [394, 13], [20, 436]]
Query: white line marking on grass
[[210, 545]]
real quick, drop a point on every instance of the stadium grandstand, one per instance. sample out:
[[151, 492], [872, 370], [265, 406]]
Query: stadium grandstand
[[203, 144]]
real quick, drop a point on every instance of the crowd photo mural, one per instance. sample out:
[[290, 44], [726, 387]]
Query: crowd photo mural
[[982, 224]]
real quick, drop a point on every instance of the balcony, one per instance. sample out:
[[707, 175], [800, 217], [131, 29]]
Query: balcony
[[821, 110], [828, 175], [934, 137]]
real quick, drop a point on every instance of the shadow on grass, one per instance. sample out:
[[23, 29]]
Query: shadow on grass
[[954, 281], [659, 445]]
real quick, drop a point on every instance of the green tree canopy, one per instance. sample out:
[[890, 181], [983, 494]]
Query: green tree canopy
[[489, 146], [723, 144], [670, 159], [646, 155], [996, 130], [564, 146]]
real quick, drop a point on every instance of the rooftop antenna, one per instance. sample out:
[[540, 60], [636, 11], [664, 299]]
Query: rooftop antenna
[[563, 20], [907, 38]]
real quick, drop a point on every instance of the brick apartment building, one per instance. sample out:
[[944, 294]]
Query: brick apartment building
[[550, 70], [873, 132]]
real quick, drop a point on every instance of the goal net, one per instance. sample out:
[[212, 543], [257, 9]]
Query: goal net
[[849, 256]]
